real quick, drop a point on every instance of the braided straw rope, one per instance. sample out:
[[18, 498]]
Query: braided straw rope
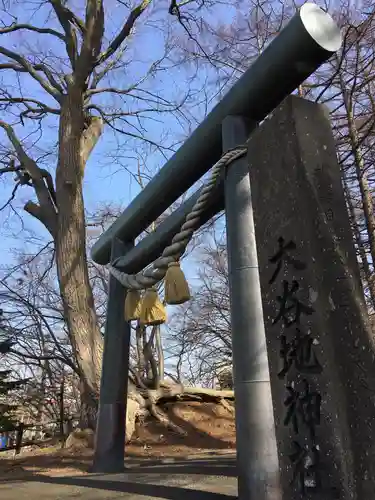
[[155, 273]]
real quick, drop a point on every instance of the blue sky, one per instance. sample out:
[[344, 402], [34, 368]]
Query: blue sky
[[105, 181]]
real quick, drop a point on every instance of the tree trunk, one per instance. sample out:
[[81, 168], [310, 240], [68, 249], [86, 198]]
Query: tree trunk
[[62, 408], [363, 183], [365, 268], [140, 359], [159, 349], [71, 256], [148, 354], [42, 392], [147, 366]]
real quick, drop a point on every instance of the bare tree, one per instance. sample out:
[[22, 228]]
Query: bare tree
[[199, 335], [65, 78], [345, 85], [34, 324]]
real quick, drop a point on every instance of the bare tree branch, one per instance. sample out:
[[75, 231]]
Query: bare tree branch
[[29, 27], [92, 41], [43, 194], [66, 19], [30, 111], [69, 15], [90, 137], [124, 33], [97, 76], [32, 70], [64, 360], [36, 67], [107, 120], [12, 196]]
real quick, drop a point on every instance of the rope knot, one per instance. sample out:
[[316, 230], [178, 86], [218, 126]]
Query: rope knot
[[174, 264]]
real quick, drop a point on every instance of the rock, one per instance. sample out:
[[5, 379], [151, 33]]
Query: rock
[[131, 414], [80, 438]]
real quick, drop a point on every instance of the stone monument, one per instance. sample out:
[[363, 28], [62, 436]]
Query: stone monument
[[320, 347]]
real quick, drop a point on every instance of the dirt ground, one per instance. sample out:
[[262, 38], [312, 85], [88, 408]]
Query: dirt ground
[[209, 427]]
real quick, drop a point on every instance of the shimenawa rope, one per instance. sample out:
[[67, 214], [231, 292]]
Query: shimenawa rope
[[156, 272]]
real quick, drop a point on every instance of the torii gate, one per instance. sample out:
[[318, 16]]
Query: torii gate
[[309, 40]]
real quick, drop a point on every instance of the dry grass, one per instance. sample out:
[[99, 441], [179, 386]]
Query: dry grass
[[208, 426]]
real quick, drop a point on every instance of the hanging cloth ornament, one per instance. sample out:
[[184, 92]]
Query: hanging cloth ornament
[[176, 288], [152, 310], [133, 304]]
